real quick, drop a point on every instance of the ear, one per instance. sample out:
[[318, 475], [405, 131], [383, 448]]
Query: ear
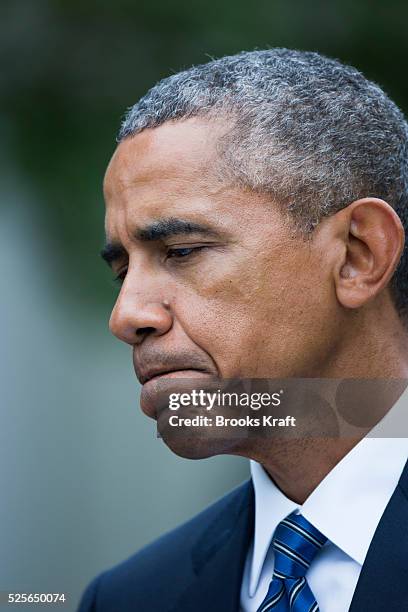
[[373, 239]]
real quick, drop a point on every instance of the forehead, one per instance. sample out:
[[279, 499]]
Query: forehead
[[174, 171], [176, 152], [170, 171]]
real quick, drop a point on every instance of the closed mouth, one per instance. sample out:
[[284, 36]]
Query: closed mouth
[[144, 378]]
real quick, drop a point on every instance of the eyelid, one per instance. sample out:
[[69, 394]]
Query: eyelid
[[192, 248], [189, 245]]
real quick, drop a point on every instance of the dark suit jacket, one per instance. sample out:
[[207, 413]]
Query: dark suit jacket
[[198, 567]]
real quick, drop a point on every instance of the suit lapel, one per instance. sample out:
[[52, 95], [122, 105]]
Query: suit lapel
[[218, 558], [383, 582]]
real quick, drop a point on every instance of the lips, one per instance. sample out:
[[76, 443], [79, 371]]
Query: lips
[[156, 373], [161, 372], [154, 397]]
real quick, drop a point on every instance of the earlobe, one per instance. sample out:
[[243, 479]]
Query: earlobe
[[374, 240]]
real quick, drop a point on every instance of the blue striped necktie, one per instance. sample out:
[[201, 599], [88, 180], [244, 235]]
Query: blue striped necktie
[[295, 543]]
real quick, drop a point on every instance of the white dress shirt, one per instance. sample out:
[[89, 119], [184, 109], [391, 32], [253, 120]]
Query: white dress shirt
[[346, 507]]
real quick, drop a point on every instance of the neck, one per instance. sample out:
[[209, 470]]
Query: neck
[[304, 464], [297, 466]]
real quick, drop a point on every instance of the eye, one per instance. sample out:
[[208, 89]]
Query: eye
[[181, 252]]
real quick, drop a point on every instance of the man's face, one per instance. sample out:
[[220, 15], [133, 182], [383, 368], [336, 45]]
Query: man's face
[[215, 280]]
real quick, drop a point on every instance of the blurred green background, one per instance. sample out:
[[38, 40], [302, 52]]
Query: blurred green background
[[85, 482]]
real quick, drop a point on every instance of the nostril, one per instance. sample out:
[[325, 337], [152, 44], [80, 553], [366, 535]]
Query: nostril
[[144, 331]]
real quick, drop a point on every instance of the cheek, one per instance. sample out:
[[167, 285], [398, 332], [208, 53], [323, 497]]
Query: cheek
[[214, 309], [259, 320], [215, 313]]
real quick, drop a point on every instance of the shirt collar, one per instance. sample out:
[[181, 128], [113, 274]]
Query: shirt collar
[[346, 506]]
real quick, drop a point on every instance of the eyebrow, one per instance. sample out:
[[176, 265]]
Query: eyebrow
[[112, 251], [158, 230]]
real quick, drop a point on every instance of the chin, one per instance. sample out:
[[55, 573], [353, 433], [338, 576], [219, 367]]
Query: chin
[[199, 447]]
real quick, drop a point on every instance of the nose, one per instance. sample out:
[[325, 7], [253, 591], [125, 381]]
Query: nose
[[137, 315]]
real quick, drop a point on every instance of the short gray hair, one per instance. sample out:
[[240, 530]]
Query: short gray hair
[[309, 130]]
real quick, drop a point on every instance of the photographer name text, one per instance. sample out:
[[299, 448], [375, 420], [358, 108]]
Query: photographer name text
[[221, 421]]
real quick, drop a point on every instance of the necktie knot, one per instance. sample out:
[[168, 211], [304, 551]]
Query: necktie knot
[[295, 543]]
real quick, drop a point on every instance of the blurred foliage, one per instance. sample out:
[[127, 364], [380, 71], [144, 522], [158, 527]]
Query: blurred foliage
[[71, 67]]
